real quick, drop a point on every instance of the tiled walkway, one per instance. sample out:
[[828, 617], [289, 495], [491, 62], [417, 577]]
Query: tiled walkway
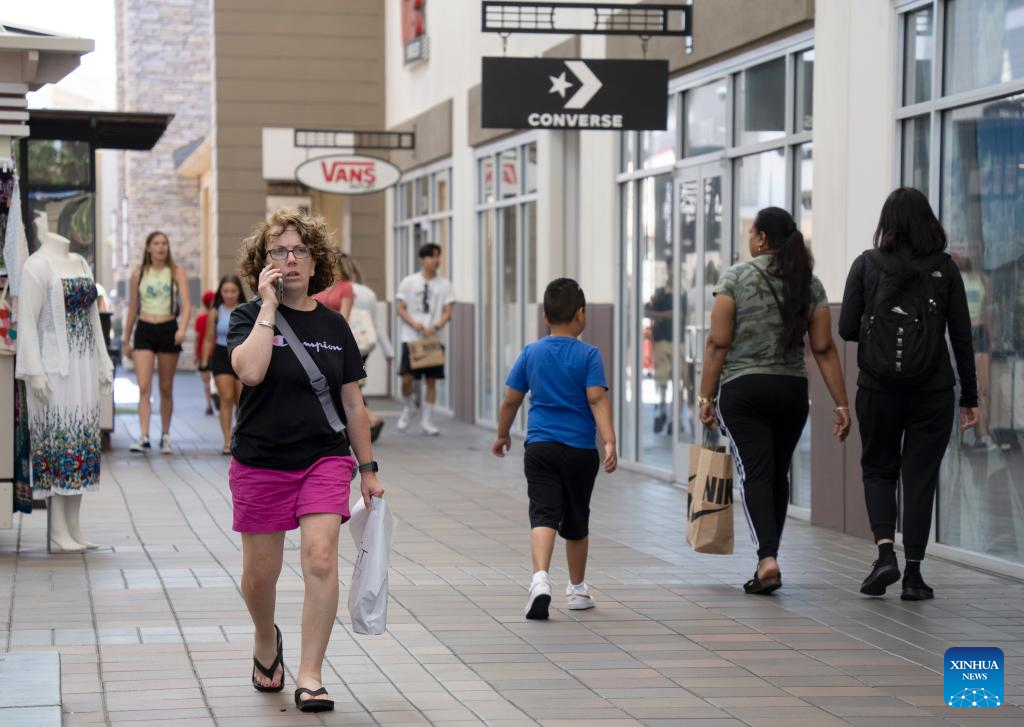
[[153, 628]]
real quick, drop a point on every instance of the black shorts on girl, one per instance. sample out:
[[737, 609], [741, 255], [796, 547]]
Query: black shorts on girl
[[156, 337], [560, 480], [220, 363]]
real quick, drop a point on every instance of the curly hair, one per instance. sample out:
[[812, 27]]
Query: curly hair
[[312, 231]]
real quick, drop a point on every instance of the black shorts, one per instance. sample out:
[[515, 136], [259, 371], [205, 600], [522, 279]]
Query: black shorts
[[560, 481], [220, 362], [156, 337], [434, 372]]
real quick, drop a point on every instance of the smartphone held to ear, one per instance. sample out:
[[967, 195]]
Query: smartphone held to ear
[[279, 287]]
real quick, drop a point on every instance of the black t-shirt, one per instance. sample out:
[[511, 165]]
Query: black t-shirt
[[281, 424], [661, 302]]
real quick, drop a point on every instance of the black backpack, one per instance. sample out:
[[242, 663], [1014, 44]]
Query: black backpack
[[903, 328]]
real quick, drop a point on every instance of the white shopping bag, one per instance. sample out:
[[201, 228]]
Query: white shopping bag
[[373, 532]]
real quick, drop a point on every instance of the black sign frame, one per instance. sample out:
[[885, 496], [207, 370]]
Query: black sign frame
[[574, 93]]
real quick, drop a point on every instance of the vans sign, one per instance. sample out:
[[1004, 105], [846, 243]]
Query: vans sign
[[574, 93], [347, 174]]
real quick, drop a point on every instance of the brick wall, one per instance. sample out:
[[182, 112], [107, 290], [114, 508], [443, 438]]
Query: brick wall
[[164, 54]]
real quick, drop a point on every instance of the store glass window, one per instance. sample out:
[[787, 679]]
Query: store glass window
[[530, 167], [760, 182], [803, 187], [915, 160], [442, 191], [805, 91], [407, 205], [761, 103], [630, 334], [984, 43], [706, 112], [658, 148], [423, 196], [918, 55], [486, 184], [509, 179], [59, 163], [58, 183], [627, 152], [982, 200]]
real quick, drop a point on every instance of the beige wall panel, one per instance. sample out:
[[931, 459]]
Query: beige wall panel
[[244, 134], [433, 129], [297, 91], [351, 7], [327, 116], [720, 27], [241, 181], [310, 69], [231, 44], [284, 24], [476, 134]]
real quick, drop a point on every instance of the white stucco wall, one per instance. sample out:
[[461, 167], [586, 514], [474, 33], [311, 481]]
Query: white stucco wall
[[855, 77], [456, 47]]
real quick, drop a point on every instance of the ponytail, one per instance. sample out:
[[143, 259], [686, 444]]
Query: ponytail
[[793, 263]]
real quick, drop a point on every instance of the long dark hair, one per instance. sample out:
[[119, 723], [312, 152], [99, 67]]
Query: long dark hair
[[908, 220], [218, 299], [794, 264], [147, 257]]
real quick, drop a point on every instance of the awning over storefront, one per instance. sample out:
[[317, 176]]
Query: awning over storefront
[[105, 129]]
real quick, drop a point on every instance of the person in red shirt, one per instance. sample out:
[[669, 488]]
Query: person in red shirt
[[204, 371]]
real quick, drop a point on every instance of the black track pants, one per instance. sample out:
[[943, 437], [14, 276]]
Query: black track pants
[[904, 437], [763, 416]]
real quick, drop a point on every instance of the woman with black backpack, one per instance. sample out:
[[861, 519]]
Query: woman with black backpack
[[901, 298]]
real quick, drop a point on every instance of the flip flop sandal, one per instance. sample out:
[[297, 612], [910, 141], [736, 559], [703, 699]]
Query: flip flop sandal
[[763, 587], [313, 705], [269, 673], [226, 451]]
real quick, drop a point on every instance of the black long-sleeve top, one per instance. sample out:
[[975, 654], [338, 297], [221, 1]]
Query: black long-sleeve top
[[863, 276]]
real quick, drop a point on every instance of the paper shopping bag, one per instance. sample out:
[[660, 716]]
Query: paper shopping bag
[[709, 500], [426, 353], [373, 531]]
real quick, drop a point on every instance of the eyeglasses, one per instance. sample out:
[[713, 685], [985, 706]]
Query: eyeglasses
[[301, 252]]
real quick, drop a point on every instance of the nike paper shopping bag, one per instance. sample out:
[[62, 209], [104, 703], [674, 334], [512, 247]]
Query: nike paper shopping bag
[[373, 531], [709, 502]]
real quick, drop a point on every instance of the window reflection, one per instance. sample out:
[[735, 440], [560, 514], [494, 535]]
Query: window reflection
[[706, 112], [984, 43], [761, 102], [916, 152], [918, 51], [981, 501], [760, 182]]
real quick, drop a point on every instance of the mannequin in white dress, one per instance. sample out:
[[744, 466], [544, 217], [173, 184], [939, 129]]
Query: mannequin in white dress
[[66, 371]]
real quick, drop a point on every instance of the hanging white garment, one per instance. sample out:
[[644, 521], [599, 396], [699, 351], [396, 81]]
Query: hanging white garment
[[15, 243]]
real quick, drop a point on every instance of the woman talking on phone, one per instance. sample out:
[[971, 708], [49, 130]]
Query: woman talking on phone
[[292, 467]]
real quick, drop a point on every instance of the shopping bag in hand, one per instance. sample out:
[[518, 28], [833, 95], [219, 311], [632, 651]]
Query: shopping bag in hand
[[709, 501], [373, 532]]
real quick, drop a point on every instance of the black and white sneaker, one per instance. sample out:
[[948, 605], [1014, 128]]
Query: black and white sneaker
[[884, 572], [140, 446], [540, 599]]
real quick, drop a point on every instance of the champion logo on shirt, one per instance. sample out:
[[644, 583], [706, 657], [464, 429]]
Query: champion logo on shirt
[[315, 345]]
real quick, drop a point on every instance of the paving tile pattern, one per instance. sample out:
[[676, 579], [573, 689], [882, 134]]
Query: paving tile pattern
[[153, 627]]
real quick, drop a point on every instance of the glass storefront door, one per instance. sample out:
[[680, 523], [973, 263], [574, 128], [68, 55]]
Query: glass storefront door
[[702, 243]]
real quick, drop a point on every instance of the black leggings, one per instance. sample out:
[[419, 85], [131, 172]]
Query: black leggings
[[763, 416], [903, 437]]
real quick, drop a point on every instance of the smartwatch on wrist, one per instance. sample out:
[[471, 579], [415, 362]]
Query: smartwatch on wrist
[[370, 466]]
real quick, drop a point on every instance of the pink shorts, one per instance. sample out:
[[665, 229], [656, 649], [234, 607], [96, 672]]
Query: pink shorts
[[268, 501]]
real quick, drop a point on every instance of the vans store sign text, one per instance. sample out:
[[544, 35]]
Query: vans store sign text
[[575, 93], [347, 174]]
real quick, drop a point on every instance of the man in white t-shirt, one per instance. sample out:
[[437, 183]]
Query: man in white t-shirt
[[424, 302]]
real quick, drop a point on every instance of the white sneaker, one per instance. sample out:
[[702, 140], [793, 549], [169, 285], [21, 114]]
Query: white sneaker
[[140, 446], [428, 428], [540, 599], [165, 444], [403, 420], [579, 599]]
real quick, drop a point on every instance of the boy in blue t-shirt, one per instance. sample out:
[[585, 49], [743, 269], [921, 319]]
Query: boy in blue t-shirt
[[568, 401]]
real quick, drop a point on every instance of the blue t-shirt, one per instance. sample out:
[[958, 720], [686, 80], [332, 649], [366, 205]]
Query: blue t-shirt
[[557, 371]]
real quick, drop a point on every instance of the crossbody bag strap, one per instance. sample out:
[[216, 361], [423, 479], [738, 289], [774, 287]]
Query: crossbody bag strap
[[771, 290], [316, 378]]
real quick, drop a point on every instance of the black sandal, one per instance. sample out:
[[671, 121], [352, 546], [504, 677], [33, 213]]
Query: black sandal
[[313, 705], [269, 673], [763, 587]]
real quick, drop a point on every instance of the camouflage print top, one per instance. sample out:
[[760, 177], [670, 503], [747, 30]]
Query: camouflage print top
[[755, 340]]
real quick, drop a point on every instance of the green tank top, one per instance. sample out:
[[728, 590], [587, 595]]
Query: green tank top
[[157, 292]]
